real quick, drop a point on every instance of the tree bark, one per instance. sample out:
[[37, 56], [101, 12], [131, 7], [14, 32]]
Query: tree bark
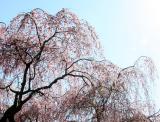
[[7, 117], [98, 116], [10, 114]]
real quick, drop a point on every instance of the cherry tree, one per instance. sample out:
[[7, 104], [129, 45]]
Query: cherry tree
[[52, 68]]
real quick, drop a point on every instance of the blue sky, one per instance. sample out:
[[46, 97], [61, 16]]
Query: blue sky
[[127, 29]]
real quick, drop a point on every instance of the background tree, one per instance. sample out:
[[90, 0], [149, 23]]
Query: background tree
[[120, 95]]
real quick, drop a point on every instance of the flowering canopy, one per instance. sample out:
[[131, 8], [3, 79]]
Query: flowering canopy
[[38, 50]]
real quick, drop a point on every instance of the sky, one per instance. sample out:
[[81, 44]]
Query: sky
[[127, 29]]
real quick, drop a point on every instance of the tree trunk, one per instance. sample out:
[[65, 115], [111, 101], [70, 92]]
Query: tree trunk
[[10, 114], [7, 118], [98, 115]]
